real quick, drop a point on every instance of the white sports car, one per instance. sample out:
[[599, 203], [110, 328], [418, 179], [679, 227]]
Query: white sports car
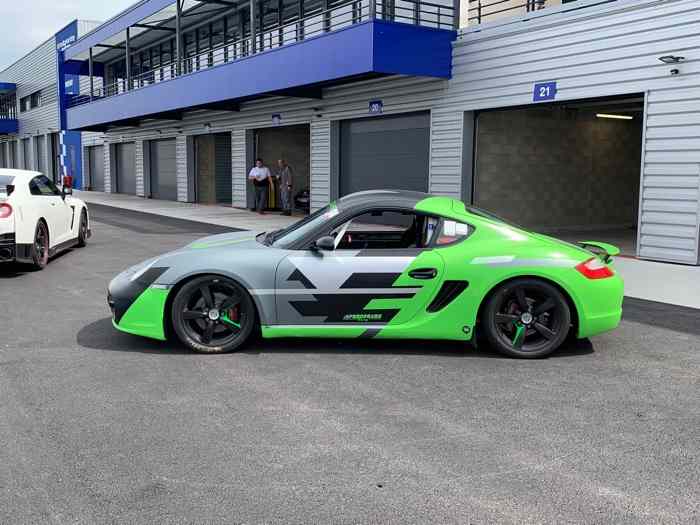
[[37, 219]]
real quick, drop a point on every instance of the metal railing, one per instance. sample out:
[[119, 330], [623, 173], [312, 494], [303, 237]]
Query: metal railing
[[415, 12], [481, 11], [8, 107]]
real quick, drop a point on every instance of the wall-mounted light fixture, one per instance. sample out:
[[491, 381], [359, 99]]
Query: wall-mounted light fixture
[[617, 117], [671, 59]]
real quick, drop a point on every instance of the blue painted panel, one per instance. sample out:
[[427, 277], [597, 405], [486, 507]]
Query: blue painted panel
[[366, 48], [8, 125], [412, 50], [133, 15], [82, 67], [7, 87]]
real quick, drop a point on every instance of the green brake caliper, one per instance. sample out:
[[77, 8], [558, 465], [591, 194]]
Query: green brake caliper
[[225, 318]]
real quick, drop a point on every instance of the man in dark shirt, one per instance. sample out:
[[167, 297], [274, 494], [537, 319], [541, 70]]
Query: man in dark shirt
[[285, 178]]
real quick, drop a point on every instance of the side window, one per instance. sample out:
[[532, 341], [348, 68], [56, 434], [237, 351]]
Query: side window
[[42, 186], [452, 232], [384, 229]]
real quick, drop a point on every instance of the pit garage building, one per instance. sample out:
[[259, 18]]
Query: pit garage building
[[31, 136], [580, 119]]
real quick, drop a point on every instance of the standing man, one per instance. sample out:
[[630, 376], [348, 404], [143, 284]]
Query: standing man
[[284, 176], [260, 175]]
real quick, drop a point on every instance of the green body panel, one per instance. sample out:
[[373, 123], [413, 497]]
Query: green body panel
[[145, 316]]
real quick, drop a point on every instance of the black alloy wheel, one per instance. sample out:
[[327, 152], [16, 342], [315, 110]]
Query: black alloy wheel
[[527, 318], [40, 247], [83, 230], [213, 314]]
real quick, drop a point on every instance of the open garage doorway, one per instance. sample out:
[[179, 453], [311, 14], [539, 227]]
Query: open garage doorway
[[213, 168], [570, 170], [292, 144]]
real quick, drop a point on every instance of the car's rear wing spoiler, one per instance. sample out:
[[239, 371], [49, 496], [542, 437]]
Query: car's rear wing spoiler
[[602, 249]]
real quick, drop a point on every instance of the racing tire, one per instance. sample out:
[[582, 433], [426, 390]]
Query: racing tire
[[83, 230], [213, 315], [526, 318], [40, 246]]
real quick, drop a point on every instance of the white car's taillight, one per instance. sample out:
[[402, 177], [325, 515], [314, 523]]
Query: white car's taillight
[[5, 210]]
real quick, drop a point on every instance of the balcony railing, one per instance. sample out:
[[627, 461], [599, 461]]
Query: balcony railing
[[8, 107], [482, 11], [415, 12]]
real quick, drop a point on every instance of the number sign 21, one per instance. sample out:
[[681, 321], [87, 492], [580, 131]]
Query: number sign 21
[[545, 91]]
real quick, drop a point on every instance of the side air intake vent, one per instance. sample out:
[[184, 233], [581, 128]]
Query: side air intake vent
[[448, 293]]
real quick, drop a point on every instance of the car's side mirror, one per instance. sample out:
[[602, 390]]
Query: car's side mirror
[[326, 244]]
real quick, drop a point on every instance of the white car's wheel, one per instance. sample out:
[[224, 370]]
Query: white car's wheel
[[40, 247]]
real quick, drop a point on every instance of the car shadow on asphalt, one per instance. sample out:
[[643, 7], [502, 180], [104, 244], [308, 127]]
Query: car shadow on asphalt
[[101, 335], [12, 270]]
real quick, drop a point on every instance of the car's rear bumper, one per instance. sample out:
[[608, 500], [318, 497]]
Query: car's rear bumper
[[600, 306], [8, 248]]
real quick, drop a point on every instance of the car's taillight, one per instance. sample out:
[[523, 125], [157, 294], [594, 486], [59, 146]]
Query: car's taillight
[[595, 269], [5, 210]]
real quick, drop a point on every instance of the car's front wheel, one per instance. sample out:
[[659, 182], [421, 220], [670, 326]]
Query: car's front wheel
[[213, 314], [526, 318]]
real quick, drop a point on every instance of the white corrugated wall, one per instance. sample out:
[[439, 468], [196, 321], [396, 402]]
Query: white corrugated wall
[[606, 49]]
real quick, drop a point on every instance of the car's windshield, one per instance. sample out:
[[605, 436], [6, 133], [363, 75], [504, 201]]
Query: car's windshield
[[286, 237]]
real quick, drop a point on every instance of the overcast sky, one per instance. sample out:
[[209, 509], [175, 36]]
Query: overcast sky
[[28, 23]]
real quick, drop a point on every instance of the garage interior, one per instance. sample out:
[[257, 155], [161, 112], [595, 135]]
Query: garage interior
[[569, 170], [213, 168], [292, 143]]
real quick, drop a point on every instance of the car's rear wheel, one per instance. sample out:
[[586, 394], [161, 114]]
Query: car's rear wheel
[[40, 247], [213, 314], [527, 318], [83, 230]]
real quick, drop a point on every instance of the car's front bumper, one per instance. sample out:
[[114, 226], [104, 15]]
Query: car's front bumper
[[138, 305]]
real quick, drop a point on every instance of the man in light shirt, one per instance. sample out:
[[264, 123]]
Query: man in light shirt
[[260, 175]]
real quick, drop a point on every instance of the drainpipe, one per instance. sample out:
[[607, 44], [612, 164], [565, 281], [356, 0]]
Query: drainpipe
[[128, 60], [92, 80], [252, 27], [178, 38], [372, 9], [456, 15]]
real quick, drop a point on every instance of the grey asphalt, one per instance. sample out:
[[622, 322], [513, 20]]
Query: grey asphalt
[[101, 427]]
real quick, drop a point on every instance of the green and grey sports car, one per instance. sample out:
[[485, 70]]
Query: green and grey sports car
[[376, 264]]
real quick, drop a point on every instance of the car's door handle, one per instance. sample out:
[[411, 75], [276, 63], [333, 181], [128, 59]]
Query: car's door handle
[[423, 273]]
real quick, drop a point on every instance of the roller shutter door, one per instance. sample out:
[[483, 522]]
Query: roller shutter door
[[97, 168], [126, 168], [26, 155], [3, 155], [223, 168], [41, 154], [163, 170], [385, 153]]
